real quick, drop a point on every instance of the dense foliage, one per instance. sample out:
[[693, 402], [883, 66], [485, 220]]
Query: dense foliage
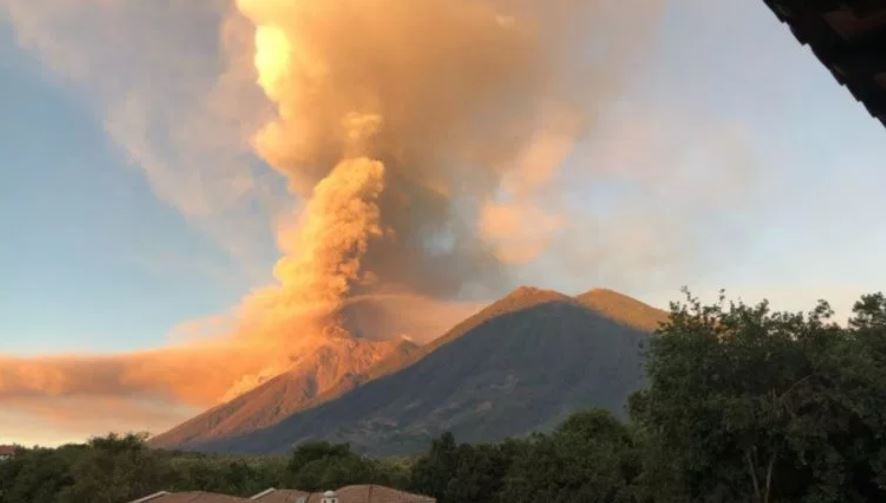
[[116, 469], [320, 466], [749, 405], [743, 405]]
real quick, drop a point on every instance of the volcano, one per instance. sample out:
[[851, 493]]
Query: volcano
[[522, 364]]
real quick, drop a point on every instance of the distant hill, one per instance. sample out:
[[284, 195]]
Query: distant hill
[[522, 364]]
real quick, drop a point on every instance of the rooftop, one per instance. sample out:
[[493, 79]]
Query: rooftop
[[365, 493], [282, 496], [849, 38], [189, 497], [349, 494]]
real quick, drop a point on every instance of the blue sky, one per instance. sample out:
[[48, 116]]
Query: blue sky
[[92, 260], [819, 155]]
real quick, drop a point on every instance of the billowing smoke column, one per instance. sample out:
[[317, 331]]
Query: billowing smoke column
[[404, 117]]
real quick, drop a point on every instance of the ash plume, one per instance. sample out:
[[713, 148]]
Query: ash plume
[[470, 107]]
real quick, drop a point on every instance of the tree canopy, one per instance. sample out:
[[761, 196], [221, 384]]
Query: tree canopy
[[747, 404]]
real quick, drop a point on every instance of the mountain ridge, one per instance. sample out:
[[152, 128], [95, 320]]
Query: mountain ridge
[[623, 308], [589, 342]]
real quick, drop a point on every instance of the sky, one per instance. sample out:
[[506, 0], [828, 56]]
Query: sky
[[727, 158]]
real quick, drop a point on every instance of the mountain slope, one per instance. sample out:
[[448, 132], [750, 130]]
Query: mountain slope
[[520, 365], [623, 309], [330, 370]]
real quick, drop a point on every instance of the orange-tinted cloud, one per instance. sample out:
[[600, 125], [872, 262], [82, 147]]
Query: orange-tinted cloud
[[30, 420]]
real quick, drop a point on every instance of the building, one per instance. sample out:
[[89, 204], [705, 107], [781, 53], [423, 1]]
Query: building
[[7, 452], [282, 496], [365, 493], [189, 497], [849, 38], [349, 494]]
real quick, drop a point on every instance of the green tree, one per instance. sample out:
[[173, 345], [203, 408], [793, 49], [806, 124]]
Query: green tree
[[320, 466], [225, 475], [461, 473], [37, 475], [479, 474], [590, 457], [115, 469], [746, 404], [431, 473], [869, 330]]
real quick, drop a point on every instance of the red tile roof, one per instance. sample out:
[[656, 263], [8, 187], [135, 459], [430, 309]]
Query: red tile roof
[[281, 496], [190, 497], [378, 494], [349, 494], [200, 497]]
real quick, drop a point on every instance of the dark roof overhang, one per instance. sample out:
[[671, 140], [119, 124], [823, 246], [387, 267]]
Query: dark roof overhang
[[849, 37]]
